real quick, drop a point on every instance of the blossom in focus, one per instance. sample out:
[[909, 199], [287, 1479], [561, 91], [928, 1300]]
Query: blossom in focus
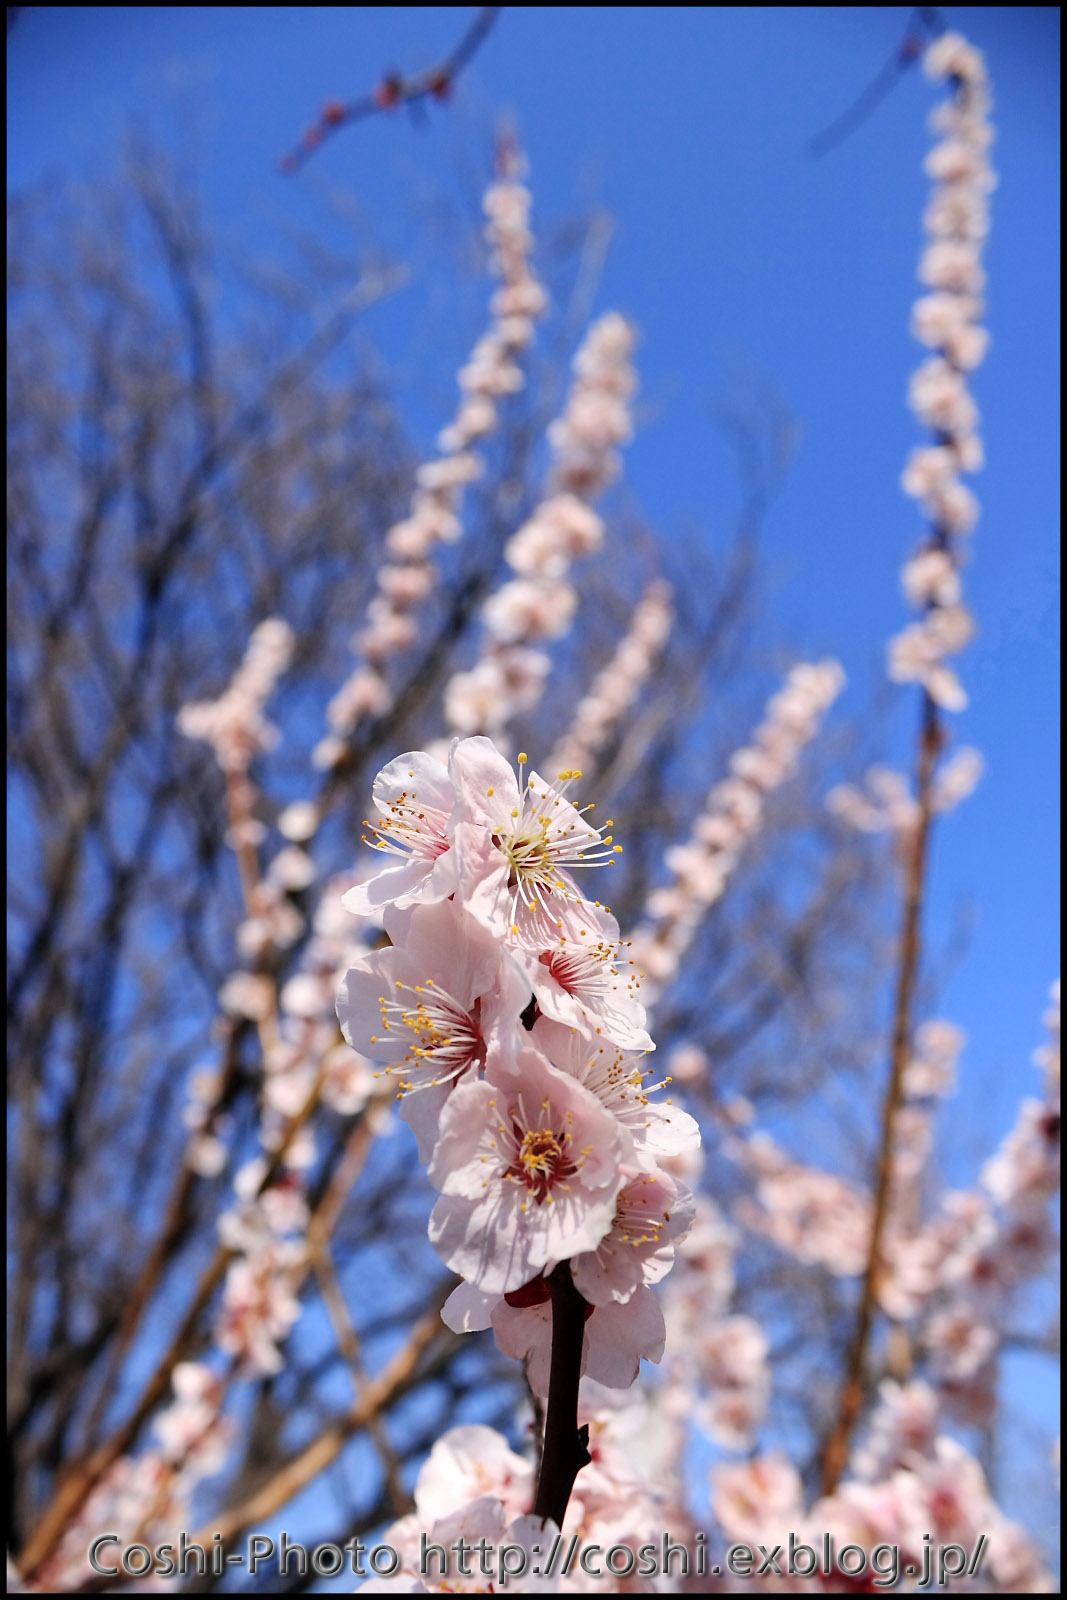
[[658, 1129], [413, 797], [587, 981], [527, 1165], [428, 1005], [517, 847]]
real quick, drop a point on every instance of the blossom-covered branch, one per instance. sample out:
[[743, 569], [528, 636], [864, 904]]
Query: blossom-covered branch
[[539, 603], [957, 220], [733, 814], [518, 1054], [491, 374], [617, 685]]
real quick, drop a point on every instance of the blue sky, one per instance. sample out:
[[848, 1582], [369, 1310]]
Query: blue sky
[[688, 125]]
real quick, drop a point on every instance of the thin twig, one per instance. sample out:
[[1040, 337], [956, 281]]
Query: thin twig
[[881, 86], [348, 1342], [396, 1379], [175, 1222], [393, 90]]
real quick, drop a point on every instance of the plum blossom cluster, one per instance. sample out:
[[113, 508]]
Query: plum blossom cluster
[[946, 320], [733, 814], [266, 1227], [823, 1219], [910, 1485], [510, 1025], [962, 1273], [235, 725], [617, 685], [303, 1057], [910, 1482], [207, 1122], [146, 1497], [886, 804], [237, 729], [717, 1374], [813, 1215], [492, 373], [474, 1485], [264, 1230], [539, 603]]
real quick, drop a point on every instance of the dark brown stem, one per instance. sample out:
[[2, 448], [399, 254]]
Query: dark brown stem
[[566, 1449], [836, 1452]]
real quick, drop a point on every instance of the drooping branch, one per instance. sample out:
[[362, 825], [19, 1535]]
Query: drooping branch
[[393, 90]]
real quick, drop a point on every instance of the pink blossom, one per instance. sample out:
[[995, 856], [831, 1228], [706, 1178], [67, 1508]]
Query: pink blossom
[[931, 578], [430, 1003], [618, 1337], [524, 609], [587, 981], [944, 1497], [247, 994], [932, 1069], [953, 266], [755, 1500], [1028, 1162], [540, 603], [347, 1080], [652, 1212], [961, 1344], [528, 1169], [514, 846], [939, 398], [866, 1514], [618, 684], [259, 1305], [413, 796], [292, 869], [234, 725], [484, 1518], [951, 56], [496, 688], [468, 1462], [562, 529], [903, 1426], [658, 1129], [732, 815]]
